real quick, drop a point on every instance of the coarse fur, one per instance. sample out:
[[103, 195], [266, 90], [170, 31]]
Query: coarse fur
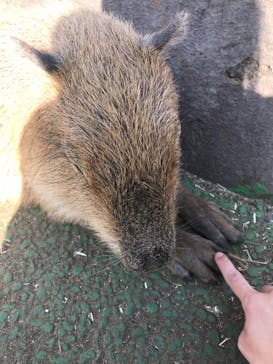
[[94, 129]]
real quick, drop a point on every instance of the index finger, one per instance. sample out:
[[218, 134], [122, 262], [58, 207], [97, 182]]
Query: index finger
[[233, 277]]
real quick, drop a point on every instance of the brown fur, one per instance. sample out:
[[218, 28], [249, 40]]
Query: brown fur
[[98, 136]]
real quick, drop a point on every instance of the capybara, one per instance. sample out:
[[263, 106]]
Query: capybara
[[89, 116]]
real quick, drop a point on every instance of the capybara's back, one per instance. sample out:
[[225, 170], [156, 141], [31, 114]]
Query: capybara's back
[[89, 117]]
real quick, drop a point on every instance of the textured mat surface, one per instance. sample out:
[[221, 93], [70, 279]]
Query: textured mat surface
[[66, 299]]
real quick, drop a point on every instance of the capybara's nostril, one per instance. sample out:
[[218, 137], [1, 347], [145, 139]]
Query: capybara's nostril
[[155, 258], [161, 255]]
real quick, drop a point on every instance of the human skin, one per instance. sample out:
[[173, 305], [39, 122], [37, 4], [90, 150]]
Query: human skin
[[256, 338]]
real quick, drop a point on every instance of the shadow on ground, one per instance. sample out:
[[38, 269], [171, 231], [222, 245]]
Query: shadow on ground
[[66, 299]]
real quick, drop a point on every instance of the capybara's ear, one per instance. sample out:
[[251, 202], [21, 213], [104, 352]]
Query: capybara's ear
[[172, 34], [49, 62]]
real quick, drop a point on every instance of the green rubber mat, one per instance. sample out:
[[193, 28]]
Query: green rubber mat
[[66, 299]]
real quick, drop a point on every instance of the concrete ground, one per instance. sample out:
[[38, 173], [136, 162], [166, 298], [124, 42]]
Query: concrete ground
[[66, 299]]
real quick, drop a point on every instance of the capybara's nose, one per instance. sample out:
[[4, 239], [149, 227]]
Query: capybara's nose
[[152, 258]]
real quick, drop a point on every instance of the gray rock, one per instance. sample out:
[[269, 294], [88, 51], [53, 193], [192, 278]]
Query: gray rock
[[224, 73]]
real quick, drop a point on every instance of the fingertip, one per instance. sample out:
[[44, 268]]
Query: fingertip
[[235, 280], [223, 263], [218, 256]]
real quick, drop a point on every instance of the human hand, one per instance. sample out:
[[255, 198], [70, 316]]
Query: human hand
[[256, 340]]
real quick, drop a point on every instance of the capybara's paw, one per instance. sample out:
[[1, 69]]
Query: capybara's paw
[[206, 219], [194, 255]]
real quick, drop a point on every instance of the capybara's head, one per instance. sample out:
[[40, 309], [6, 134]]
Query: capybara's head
[[117, 118]]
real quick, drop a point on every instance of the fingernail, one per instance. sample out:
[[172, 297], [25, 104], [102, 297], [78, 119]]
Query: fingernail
[[219, 255]]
